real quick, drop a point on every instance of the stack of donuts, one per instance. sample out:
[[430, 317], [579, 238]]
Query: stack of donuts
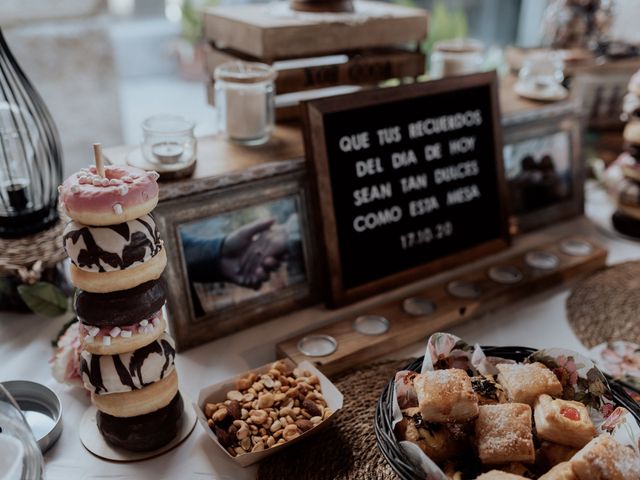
[[117, 259], [626, 219]]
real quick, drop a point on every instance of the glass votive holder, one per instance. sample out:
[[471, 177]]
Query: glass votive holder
[[168, 140], [456, 57], [245, 101], [541, 71]]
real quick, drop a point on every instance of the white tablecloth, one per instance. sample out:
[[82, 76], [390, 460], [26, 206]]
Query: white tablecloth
[[539, 321]]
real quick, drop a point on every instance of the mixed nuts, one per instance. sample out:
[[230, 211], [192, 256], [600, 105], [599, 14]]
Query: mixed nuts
[[267, 410]]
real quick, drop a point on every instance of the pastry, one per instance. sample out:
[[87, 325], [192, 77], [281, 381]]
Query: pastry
[[524, 382], [439, 441], [498, 475], [123, 307], [143, 433], [122, 339], [112, 248], [488, 391], [106, 282], [631, 132], [138, 402], [446, 396], [110, 374], [503, 433], [551, 454], [123, 194], [603, 458], [563, 421], [562, 471]]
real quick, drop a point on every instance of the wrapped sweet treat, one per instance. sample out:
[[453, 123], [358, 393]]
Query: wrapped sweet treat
[[537, 421]]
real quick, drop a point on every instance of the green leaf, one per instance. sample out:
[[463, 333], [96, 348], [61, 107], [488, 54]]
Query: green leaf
[[44, 299]]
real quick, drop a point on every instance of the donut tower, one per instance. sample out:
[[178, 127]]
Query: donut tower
[[626, 219], [117, 259]]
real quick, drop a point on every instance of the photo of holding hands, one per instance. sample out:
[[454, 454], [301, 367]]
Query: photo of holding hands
[[243, 254]]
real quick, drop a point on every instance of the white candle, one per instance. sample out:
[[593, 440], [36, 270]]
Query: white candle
[[245, 101], [246, 113], [167, 152]]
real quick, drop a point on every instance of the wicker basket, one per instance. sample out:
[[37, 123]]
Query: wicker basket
[[396, 456]]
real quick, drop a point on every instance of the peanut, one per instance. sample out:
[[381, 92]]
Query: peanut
[[209, 408], [258, 416], [245, 443], [219, 415], [258, 447], [243, 384], [234, 395], [276, 426], [266, 400], [290, 432]]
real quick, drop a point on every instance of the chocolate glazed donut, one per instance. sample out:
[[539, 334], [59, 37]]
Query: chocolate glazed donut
[[143, 433], [124, 307]]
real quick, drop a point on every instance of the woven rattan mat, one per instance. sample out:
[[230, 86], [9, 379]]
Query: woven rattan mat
[[605, 306], [347, 448]]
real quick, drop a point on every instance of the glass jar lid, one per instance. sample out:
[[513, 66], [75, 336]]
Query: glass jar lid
[[244, 72]]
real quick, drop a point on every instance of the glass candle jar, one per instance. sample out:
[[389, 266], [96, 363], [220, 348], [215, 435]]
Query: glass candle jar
[[244, 99], [456, 57], [168, 140]]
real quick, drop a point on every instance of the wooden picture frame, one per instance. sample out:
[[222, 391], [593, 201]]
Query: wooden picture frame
[[209, 211], [318, 165], [543, 134]]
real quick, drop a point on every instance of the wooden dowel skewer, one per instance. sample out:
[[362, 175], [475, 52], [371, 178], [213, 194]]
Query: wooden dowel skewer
[[97, 153]]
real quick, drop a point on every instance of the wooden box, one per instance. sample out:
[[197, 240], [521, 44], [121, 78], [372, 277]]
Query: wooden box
[[272, 31]]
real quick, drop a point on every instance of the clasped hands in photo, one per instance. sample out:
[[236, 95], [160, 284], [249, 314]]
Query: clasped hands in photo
[[252, 252]]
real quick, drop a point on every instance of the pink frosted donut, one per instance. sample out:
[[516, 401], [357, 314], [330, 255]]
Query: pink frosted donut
[[123, 194]]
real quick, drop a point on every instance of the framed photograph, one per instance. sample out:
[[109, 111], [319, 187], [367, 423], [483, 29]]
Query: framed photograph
[[408, 181], [544, 171], [237, 256]]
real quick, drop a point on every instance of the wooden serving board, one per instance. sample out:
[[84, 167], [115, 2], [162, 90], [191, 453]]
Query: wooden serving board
[[354, 348]]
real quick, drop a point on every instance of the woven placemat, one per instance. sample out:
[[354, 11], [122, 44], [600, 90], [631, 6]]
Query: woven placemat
[[606, 305], [347, 449]]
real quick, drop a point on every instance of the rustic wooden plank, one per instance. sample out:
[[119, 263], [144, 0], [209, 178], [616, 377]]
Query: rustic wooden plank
[[355, 68], [271, 31], [355, 348], [222, 163]]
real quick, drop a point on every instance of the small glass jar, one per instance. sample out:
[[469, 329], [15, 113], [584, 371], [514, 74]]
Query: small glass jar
[[456, 57], [244, 99], [168, 140]]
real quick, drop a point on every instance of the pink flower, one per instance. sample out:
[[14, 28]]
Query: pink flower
[[65, 363], [621, 358], [614, 418]]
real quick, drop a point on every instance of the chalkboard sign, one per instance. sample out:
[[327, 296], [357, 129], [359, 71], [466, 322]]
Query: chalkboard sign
[[409, 181]]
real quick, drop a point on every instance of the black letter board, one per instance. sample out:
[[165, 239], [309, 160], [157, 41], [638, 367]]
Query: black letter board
[[409, 181]]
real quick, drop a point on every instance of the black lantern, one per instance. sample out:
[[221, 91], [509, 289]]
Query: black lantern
[[30, 154]]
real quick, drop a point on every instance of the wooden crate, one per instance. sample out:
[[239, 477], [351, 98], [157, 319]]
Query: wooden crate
[[272, 31]]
